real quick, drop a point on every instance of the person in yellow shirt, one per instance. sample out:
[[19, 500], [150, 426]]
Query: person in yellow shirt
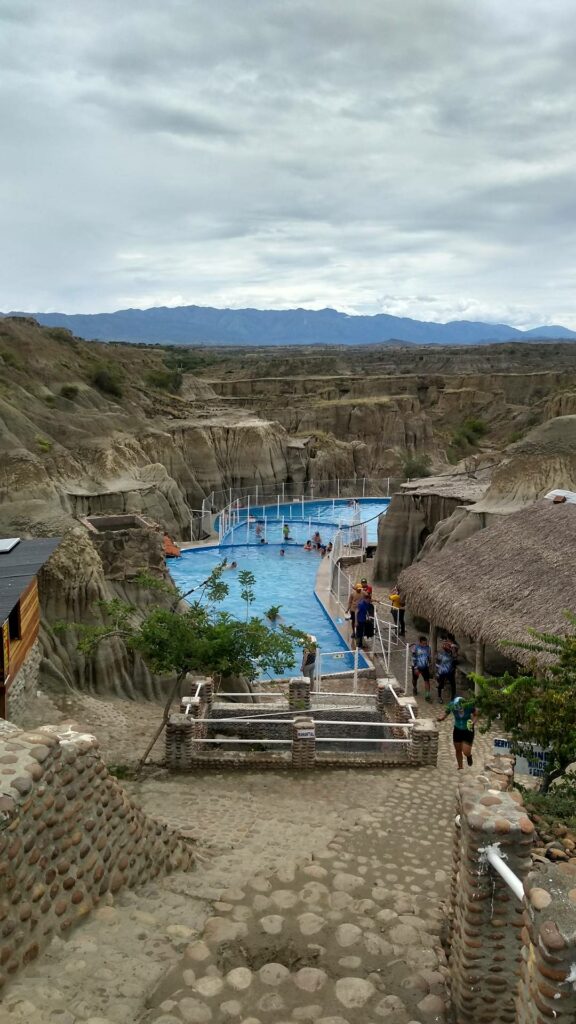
[[398, 610]]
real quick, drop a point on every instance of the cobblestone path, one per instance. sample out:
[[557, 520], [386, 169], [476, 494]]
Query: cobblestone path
[[316, 898]]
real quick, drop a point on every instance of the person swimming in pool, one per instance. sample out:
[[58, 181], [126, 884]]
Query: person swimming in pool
[[282, 552], [308, 545]]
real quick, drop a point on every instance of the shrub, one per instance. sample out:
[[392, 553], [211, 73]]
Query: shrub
[[10, 359], [107, 380], [415, 466], [69, 391], [558, 804], [165, 380], [44, 444], [469, 433], [60, 334]]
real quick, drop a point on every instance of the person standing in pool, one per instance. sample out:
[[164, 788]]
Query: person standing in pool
[[465, 718]]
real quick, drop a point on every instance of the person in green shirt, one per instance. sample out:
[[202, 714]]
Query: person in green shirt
[[465, 718]]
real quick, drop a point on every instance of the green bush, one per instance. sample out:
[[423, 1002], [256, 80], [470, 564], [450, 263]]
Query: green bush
[[44, 444], [415, 466], [10, 359], [69, 391], [165, 380], [60, 334], [557, 805], [468, 435], [107, 380]]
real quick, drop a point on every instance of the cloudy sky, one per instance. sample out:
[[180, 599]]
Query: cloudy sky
[[414, 157]]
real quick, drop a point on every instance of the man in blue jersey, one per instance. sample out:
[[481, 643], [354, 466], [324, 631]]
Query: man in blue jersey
[[465, 718], [421, 653], [446, 659]]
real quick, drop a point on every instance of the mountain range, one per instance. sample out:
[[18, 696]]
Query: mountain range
[[205, 325]]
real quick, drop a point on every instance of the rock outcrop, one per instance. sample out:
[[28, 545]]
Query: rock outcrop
[[415, 516], [73, 586]]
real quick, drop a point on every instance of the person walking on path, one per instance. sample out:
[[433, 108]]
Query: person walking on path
[[308, 665], [398, 610], [445, 668], [364, 619], [353, 601], [465, 718], [421, 655]]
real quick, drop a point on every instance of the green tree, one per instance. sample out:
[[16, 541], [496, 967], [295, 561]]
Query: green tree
[[196, 637], [540, 706]]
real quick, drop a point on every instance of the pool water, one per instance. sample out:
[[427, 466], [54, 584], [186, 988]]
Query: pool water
[[314, 515], [288, 581]]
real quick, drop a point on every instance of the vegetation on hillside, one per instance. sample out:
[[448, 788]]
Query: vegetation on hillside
[[108, 380]]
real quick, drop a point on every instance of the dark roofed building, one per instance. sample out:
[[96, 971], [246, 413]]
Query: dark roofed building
[[20, 562]]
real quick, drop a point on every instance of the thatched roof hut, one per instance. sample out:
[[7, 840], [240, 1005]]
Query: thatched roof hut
[[519, 572]]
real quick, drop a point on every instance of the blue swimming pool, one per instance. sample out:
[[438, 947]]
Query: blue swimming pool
[[302, 517], [288, 581]]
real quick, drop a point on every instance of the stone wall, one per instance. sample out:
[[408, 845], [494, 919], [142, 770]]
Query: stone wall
[[127, 552], [25, 684], [69, 834], [512, 955]]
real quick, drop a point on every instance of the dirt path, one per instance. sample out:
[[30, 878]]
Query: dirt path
[[262, 839]]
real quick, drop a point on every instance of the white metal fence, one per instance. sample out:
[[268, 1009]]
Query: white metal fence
[[279, 493]]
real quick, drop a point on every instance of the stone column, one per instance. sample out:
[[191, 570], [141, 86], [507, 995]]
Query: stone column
[[487, 916], [303, 743], [384, 695], [179, 749], [547, 990], [424, 746], [207, 694], [299, 694]]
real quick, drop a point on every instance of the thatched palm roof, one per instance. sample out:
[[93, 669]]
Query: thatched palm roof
[[519, 572]]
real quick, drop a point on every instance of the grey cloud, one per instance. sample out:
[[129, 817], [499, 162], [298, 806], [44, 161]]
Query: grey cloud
[[262, 153]]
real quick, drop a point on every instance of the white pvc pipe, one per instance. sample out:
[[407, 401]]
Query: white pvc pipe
[[333, 739], [233, 740], [494, 858]]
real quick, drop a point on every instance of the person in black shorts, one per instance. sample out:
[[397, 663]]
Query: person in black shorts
[[465, 718], [421, 654]]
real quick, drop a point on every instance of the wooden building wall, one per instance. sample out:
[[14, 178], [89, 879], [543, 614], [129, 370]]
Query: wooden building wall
[[29, 625]]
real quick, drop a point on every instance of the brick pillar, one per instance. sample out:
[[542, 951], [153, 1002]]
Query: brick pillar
[[303, 743], [207, 694], [424, 746], [487, 916], [197, 713], [299, 694], [499, 772], [547, 990], [179, 748], [383, 694]]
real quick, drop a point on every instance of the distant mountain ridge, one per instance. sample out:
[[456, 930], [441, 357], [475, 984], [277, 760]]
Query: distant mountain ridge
[[205, 325]]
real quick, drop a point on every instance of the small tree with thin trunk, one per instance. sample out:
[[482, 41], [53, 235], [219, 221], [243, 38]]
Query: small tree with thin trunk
[[195, 638], [538, 707]]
